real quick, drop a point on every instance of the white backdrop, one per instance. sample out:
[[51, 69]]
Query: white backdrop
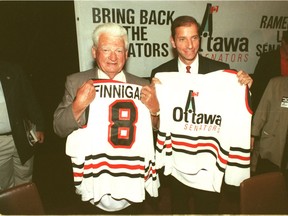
[[235, 32]]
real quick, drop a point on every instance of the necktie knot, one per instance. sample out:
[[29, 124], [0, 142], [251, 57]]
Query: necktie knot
[[188, 69]]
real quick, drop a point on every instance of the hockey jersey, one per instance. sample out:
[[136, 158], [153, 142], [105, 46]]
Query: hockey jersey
[[113, 156], [204, 132]]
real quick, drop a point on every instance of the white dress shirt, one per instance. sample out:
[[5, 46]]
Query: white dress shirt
[[194, 66], [119, 77]]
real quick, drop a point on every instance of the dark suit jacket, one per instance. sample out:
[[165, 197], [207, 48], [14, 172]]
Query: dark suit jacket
[[21, 103], [64, 122], [206, 65], [268, 66]]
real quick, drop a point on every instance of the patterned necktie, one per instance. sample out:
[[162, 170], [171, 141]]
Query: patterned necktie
[[188, 69]]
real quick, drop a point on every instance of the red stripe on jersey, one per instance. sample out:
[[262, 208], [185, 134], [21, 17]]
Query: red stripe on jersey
[[113, 166], [239, 157], [202, 145]]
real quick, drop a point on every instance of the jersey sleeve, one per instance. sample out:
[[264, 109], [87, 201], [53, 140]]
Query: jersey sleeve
[[151, 178], [163, 141], [238, 165]]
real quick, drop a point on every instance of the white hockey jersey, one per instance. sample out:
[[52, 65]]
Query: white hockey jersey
[[204, 132], [113, 156]]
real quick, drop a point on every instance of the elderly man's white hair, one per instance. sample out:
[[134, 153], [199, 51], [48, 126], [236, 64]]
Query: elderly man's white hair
[[112, 29]]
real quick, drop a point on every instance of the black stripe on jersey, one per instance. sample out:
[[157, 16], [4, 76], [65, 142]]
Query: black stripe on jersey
[[160, 151], [240, 149], [78, 166], [154, 178], [221, 169], [202, 138], [151, 164], [114, 175], [123, 174], [196, 152], [239, 165], [168, 153], [150, 174], [127, 158], [77, 183], [161, 134]]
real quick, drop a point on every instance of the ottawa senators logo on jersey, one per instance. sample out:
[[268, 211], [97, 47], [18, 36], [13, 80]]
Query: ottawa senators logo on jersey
[[190, 101], [190, 115]]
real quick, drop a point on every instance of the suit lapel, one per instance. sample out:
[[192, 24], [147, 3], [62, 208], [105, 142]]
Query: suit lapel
[[174, 65], [203, 66]]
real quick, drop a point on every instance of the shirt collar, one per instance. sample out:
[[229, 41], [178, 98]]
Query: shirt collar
[[119, 77], [194, 66]]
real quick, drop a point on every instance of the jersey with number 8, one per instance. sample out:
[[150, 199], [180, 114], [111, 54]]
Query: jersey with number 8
[[113, 155]]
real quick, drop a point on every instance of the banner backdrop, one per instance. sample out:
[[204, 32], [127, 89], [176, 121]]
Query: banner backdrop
[[231, 31]]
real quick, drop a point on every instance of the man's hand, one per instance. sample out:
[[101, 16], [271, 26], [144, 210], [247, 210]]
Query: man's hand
[[84, 96], [148, 96], [149, 99], [244, 78], [40, 136]]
